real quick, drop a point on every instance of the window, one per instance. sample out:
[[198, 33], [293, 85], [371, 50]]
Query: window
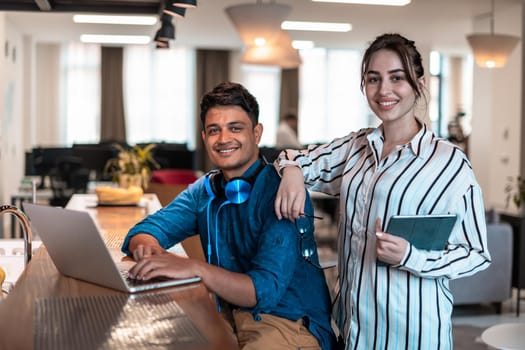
[[264, 83], [331, 103], [159, 95], [80, 87], [435, 104]]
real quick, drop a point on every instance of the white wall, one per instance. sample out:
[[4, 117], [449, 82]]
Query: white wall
[[47, 101], [496, 122], [11, 110]]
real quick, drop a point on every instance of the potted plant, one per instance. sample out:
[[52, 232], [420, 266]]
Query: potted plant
[[132, 167], [515, 190]]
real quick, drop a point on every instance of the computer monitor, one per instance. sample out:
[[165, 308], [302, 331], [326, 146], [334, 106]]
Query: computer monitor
[[173, 156], [94, 157], [29, 164], [44, 160]]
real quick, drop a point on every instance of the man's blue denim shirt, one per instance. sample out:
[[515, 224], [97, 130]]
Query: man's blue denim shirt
[[248, 238]]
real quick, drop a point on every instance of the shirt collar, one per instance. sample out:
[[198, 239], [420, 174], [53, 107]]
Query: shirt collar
[[423, 136]]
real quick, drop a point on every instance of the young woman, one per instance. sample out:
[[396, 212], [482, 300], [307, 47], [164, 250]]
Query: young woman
[[398, 168]]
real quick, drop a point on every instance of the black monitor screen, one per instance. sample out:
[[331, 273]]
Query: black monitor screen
[[45, 159], [173, 156], [95, 156], [29, 165]]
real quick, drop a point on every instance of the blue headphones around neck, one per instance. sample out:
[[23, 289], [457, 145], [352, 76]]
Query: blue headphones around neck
[[236, 191]]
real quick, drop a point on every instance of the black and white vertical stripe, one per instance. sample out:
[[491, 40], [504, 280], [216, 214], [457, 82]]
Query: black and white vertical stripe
[[407, 306]]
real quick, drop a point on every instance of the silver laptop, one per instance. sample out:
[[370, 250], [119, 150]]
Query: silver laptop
[[78, 250]]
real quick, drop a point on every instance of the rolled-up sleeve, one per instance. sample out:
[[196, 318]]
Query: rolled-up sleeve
[[171, 224]]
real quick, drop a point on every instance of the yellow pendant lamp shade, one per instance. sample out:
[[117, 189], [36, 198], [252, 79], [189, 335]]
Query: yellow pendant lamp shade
[[280, 53], [492, 50]]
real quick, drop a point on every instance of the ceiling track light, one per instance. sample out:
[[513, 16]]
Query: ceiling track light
[[492, 50], [158, 40], [185, 3], [175, 11], [161, 44], [167, 29]]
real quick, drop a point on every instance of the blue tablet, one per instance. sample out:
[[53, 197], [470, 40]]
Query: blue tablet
[[428, 232]]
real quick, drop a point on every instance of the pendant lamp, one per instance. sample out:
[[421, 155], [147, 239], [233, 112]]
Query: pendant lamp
[[259, 26], [279, 53], [492, 50], [258, 23]]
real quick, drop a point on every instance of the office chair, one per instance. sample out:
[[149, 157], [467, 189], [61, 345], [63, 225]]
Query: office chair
[[68, 177], [173, 176]]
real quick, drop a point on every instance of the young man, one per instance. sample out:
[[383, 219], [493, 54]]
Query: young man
[[255, 264]]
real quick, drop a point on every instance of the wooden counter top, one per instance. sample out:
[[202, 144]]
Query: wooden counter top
[[41, 280]]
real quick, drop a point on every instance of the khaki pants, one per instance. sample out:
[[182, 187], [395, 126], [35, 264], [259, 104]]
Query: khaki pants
[[272, 333]]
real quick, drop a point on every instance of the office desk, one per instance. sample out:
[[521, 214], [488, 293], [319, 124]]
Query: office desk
[[40, 281]]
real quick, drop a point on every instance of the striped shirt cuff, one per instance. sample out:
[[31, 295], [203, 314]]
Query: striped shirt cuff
[[414, 259], [281, 164]]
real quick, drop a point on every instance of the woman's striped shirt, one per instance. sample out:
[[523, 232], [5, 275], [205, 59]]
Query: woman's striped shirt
[[407, 306]]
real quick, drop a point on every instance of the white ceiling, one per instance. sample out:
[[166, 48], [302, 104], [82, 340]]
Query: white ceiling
[[439, 24]]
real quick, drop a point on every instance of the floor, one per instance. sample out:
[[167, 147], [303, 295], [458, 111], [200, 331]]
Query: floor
[[485, 315], [470, 322]]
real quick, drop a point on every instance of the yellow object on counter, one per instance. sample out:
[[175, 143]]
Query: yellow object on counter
[[2, 279], [118, 195]]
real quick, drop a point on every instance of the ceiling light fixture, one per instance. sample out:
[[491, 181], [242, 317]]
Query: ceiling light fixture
[[259, 23], [302, 44], [115, 39], [316, 26], [160, 44], [185, 3], [280, 53], [492, 50], [105, 19], [369, 2], [159, 41], [167, 29], [175, 11], [259, 26]]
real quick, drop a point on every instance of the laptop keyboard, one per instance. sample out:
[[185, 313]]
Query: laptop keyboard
[[133, 282]]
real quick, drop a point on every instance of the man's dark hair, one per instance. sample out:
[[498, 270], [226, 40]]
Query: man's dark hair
[[230, 94]]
